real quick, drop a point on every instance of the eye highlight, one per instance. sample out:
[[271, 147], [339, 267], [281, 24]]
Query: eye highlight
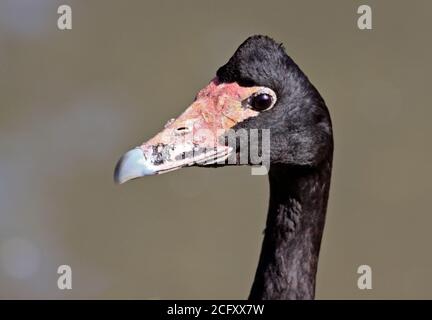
[[262, 100]]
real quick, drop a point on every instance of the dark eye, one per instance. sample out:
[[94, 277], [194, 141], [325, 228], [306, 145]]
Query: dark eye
[[261, 102]]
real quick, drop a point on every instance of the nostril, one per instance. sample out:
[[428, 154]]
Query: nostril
[[182, 130]]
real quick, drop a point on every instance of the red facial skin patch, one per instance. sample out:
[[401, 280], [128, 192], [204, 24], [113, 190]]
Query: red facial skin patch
[[193, 138], [217, 107]]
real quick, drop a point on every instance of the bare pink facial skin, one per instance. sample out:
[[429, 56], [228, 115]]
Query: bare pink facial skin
[[217, 108]]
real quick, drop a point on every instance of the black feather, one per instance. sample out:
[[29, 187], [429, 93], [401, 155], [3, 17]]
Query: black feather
[[301, 154]]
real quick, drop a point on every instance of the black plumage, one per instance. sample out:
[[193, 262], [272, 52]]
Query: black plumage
[[301, 162]]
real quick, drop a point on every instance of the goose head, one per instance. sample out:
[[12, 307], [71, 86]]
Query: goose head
[[258, 101]]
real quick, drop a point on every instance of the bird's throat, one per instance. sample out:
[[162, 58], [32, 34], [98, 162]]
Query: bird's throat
[[289, 256]]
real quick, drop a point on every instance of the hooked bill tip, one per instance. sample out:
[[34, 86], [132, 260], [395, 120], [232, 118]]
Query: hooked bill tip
[[132, 165]]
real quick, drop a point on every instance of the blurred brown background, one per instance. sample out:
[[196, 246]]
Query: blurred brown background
[[71, 102]]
